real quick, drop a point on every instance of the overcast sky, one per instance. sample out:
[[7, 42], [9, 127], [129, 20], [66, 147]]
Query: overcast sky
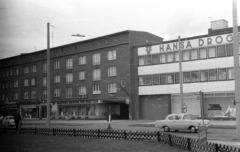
[[23, 23]]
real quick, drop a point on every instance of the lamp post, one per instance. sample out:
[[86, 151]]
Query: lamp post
[[48, 75]]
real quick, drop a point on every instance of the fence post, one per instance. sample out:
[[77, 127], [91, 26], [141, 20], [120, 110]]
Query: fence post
[[98, 133], [74, 132], [125, 135], [53, 130], [158, 136], [170, 139], [35, 131], [188, 144], [216, 149]]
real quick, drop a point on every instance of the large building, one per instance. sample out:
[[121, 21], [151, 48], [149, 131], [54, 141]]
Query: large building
[[88, 78], [207, 66]]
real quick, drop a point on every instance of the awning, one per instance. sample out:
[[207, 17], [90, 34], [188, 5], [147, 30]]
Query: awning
[[114, 100]]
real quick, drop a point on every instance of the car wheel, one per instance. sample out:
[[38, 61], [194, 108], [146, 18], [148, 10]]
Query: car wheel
[[193, 129], [176, 130], [166, 129]]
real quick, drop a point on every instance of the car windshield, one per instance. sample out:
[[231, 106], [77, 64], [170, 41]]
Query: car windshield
[[188, 117]]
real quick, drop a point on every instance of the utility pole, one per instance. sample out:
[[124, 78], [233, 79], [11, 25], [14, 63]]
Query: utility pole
[[236, 66], [180, 74], [48, 75]]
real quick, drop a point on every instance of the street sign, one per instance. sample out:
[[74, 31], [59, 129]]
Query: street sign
[[202, 134]]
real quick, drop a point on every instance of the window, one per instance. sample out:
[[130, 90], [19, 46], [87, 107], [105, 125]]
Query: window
[[7, 73], [3, 86], [96, 59], [82, 75], [96, 74], [3, 97], [26, 95], [123, 83], [185, 55], [15, 71], [6, 84], [26, 70], [186, 77], [141, 80], [170, 78], [69, 78], [112, 88], [44, 81], [15, 96], [194, 54], [82, 90], [44, 67], [69, 63], [33, 94], [230, 74], [211, 52], [82, 60], [44, 94], [222, 74], [156, 79], [11, 73], [141, 60], [229, 49], [177, 80], [148, 59], [96, 89], [195, 76], [221, 52], [204, 76], [56, 65], [26, 83], [57, 78], [162, 58], [170, 57], [149, 80], [112, 71], [213, 75], [56, 92], [33, 81], [33, 68], [176, 56], [163, 79], [68, 92], [155, 59], [112, 55], [203, 53]]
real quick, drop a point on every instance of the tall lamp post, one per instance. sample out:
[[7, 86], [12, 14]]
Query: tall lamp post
[[48, 75]]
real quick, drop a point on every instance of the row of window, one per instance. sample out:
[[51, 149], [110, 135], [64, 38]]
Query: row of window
[[9, 73], [187, 55], [9, 85], [188, 77]]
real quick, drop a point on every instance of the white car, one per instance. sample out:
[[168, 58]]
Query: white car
[[182, 121], [8, 121]]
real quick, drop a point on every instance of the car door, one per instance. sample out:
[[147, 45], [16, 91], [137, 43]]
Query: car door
[[177, 122]]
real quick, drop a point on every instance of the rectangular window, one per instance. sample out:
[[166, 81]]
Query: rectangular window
[[163, 79], [155, 59], [56, 65], [185, 55], [96, 59], [112, 71], [15, 96], [15, 71], [112, 88], [229, 49], [33, 68], [141, 60], [123, 83], [57, 78], [213, 75], [230, 74], [204, 76], [33, 94], [56, 92], [96, 74], [111, 55], [44, 67], [194, 54], [82, 75], [170, 57], [26, 95], [221, 52], [186, 77], [149, 80], [26, 83], [212, 52], [82, 90], [11, 73], [69, 63], [44, 94], [170, 78], [141, 81], [3, 97], [7, 73], [203, 53], [222, 74], [33, 81], [82, 60], [96, 89], [162, 58], [148, 60], [26, 70], [176, 56], [195, 76], [156, 79], [44, 81], [69, 93], [69, 78]]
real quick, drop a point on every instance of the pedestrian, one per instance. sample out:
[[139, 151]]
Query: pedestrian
[[17, 119]]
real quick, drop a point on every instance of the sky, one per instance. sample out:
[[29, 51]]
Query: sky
[[23, 23]]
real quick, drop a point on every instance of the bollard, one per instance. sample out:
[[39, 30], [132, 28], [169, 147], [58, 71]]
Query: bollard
[[216, 149], [125, 135], [188, 144], [170, 139], [158, 136], [98, 133]]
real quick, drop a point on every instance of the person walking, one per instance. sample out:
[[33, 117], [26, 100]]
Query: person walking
[[17, 119]]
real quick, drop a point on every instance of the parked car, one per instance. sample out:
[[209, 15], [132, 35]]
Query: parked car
[[182, 121], [1, 118], [8, 121]]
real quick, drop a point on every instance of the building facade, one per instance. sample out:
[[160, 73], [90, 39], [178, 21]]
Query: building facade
[[207, 66], [89, 79]]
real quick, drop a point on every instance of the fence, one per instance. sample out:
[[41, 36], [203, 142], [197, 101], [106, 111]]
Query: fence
[[176, 141]]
